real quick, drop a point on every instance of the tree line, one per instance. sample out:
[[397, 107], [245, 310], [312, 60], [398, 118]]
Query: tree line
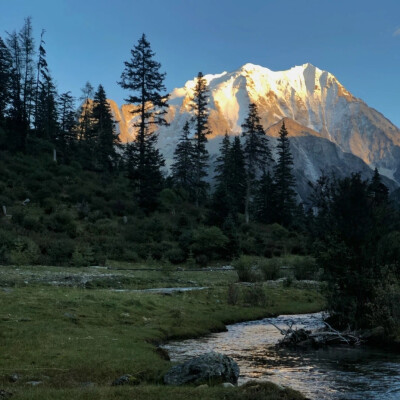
[[248, 180]]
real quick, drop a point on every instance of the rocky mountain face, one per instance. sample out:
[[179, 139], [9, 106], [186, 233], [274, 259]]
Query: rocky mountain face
[[330, 130]]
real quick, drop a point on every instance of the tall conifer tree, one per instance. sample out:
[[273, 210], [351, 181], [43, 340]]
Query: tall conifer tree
[[85, 112], [107, 140], [236, 176], [221, 164], [5, 80], [143, 78], [230, 192], [67, 122], [41, 74], [182, 168], [17, 123], [47, 110], [284, 180], [378, 190], [200, 107], [264, 199], [27, 46], [257, 153]]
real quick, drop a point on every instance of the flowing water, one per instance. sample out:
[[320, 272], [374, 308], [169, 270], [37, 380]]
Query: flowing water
[[343, 373]]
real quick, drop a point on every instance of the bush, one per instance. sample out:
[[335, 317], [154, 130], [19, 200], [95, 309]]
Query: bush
[[175, 255], [255, 295], [61, 222], [305, 267], [246, 268], [233, 294], [209, 240], [31, 223], [60, 251], [83, 256], [24, 252], [202, 260], [270, 268]]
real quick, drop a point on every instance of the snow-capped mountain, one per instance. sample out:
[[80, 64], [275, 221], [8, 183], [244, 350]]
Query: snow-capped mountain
[[330, 129]]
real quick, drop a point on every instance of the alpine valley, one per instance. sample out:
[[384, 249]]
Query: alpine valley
[[330, 130]]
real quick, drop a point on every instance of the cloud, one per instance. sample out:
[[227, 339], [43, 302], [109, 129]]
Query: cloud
[[396, 32]]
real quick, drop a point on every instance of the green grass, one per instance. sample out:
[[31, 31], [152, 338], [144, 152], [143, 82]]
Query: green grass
[[66, 336], [267, 391], [133, 278]]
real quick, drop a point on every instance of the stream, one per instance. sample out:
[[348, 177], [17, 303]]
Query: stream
[[345, 373]]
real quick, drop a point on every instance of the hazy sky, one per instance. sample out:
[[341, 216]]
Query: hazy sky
[[357, 40]]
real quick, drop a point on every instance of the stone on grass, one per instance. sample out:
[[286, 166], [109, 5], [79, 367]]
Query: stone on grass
[[4, 394], [13, 378], [211, 368], [201, 387], [227, 385], [34, 383], [126, 380]]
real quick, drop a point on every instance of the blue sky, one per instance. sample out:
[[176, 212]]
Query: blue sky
[[88, 40]]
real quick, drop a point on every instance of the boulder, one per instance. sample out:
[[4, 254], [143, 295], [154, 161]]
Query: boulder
[[210, 368]]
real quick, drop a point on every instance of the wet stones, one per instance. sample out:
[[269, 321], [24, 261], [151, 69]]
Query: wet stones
[[210, 368]]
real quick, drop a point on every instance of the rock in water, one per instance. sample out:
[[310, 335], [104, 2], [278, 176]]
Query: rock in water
[[209, 368]]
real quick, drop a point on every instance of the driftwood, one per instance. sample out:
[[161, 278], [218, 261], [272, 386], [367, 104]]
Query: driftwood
[[325, 336]]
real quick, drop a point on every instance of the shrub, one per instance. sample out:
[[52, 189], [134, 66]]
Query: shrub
[[246, 268], [270, 268], [389, 250], [233, 294], [62, 222], [83, 256], [175, 255], [24, 251], [128, 255], [60, 251], [208, 240], [255, 295], [305, 267], [32, 224], [202, 260]]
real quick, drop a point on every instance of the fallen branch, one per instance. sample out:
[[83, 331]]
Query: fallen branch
[[307, 338]]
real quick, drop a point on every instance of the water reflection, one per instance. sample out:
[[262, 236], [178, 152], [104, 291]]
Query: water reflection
[[332, 373]]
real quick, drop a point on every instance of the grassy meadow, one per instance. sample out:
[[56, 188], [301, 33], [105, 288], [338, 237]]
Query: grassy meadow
[[71, 331]]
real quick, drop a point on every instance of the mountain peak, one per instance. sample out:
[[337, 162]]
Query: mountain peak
[[309, 65], [251, 67]]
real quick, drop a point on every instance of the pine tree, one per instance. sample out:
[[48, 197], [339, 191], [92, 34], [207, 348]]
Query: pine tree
[[221, 163], [16, 121], [42, 72], [47, 113], [378, 190], [265, 199], [221, 206], [107, 140], [199, 105], [85, 123], [5, 80], [182, 168], [142, 76], [284, 180], [236, 176], [67, 123], [27, 46], [257, 153], [229, 195], [67, 114]]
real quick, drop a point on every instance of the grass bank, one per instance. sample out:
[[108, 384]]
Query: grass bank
[[75, 341]]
